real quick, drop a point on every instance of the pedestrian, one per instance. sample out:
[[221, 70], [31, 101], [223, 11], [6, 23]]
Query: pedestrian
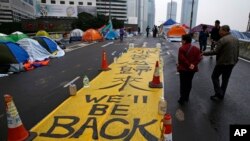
[[155, 31], [121, 34], [227, 53], [203, 38], [147, 30], [139, 30], [188, 59], [215, 36]]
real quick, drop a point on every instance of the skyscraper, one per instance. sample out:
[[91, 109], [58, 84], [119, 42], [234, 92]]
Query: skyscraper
[[172, 10], [186, 12]]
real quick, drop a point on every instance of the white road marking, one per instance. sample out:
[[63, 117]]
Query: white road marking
[[72, 81], [113, 53], [107, 44], [244, 60]]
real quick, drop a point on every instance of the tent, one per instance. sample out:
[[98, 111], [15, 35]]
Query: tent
[[92, 35], [176, 31], [76, 35], [17, 36], [50, 45], [5, 38], [12, 53], [198, 28], [34, 49], [239, 35], [111, 35], [169, 22], [42, 33]]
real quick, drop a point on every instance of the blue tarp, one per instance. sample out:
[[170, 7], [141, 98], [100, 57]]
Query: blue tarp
[[169, 22], [239, 35], [111, 35]]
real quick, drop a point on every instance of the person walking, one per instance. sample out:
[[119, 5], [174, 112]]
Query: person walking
[[188, 59], [215, 36], [203, 38], [155, 31], [139, 30], [121, 34], [147, 30], [227, 53]]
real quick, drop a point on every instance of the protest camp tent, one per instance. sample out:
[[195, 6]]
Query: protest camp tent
[[42, 33], [111, 35], [34, 49], [5, 38], [12, 53], [92, 35], [169, 22], [76, 35], [198, 28], [176, 31], [17, 36], [50, 45]]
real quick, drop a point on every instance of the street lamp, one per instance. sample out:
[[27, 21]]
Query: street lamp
[[191, 19]]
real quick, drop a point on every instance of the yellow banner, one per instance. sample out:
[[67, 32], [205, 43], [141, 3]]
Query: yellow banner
[[118, 105]]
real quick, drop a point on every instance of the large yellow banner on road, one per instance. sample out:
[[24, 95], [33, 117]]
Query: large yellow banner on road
[[118, 105]]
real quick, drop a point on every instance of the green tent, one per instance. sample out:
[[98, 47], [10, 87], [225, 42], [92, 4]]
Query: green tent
[[5, 38], [16, 36]]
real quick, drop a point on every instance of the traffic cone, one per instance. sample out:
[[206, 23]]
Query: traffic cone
[[104, 62], [156, 83], [16, 130], [167, 128]]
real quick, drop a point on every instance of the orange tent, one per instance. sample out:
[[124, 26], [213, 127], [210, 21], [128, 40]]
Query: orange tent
[[91, 35], [176, 31]]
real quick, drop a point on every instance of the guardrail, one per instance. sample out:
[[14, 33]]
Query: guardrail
[[245, 49]]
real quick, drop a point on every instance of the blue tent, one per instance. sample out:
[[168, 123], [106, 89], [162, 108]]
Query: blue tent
[[169, 22], [111, 35], [47, 43], [239, 35], [12, 53]]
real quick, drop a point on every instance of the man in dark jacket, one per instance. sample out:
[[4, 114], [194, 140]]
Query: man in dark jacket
[[215, 36], [227, 53], [188, 58]]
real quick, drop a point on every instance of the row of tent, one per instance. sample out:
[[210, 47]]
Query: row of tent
[[174, 30], [27, 49]]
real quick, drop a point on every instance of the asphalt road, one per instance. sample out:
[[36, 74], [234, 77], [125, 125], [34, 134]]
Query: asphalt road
[[36, 93]]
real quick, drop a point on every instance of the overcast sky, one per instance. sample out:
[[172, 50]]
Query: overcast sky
[[235, 13]]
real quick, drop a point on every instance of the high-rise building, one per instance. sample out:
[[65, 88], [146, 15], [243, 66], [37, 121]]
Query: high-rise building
[[172, 10], [143, 11], [186, 12], [15, 10], [116, 8], [132, 11]]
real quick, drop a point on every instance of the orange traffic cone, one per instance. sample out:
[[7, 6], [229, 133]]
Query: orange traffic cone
[[16, 130], [104, 62], [167, 128], [156, 83]]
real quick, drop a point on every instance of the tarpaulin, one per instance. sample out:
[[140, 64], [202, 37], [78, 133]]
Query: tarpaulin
[[118, 105]]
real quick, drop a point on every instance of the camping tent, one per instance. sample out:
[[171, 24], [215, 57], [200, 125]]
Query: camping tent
[[111, 35], [17, 36], [198, 28], [92, 35], [50, 45], [12, 53], [42, 33], [76, 35], [176, 31], [5, 38], [169, 22], [34, 49]]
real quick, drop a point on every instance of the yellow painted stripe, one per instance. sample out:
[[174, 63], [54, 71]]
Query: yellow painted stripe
[[125, 108]]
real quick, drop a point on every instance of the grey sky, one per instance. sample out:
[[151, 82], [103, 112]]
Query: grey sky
[[232, 12]]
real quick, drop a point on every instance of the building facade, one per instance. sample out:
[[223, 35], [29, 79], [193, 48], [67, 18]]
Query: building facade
[[186, 12], [16, 10], [248, 25], [116, 8], [172, 10]]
